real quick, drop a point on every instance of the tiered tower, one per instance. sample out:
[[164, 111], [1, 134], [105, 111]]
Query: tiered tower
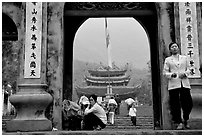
[[106, 81]]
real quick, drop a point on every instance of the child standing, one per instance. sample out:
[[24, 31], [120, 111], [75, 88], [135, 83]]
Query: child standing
[[133, 113]]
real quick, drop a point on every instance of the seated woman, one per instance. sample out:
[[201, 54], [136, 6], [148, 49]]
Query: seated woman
[[94, 116]]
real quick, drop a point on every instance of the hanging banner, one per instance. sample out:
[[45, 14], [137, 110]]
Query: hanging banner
[[189, 35], [33, 38]]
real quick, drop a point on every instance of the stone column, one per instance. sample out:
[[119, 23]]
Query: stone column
[[3, 100], [164, 32], [191, 48], [55, 60], [31, 99]]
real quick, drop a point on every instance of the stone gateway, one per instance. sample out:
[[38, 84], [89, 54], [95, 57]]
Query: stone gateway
[[44, 78]]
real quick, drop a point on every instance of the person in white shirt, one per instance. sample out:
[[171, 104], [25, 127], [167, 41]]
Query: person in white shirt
[[176, 70], [111, 110], [133, 113], [83, 102], [94, 116]]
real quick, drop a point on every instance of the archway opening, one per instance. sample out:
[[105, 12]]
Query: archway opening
[[9, 29], [75, 16], [129, 50]]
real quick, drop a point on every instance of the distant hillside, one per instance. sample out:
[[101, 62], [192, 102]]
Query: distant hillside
[[137, 76], [80, 69]]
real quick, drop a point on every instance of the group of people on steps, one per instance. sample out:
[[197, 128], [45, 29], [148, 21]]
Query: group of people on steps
[[176, 69]]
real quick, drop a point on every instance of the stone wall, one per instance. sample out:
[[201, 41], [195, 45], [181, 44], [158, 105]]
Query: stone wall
[[55, 59]]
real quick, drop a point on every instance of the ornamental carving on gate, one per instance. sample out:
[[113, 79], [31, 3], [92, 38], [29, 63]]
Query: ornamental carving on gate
[[108, 6]]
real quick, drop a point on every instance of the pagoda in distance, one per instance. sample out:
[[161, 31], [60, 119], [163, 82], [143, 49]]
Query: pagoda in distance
[[105, 81]]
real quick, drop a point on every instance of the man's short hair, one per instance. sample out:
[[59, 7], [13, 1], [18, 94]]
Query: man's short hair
[[172, 44], [94, 97]]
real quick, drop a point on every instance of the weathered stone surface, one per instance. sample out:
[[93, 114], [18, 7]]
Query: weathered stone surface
[[29, 125], [114, 132], [55, 59], [31, 99], [30, 104]]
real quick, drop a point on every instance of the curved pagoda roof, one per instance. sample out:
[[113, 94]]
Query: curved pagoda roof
[[105, 79], [107, 71]]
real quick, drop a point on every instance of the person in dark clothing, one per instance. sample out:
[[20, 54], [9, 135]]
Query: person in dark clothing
[[92, 122], [118, 101]]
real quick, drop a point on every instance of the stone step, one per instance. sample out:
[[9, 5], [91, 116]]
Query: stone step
[[139, 119], [111, 132], [137, 116], [143, 122], [129, 127], [124, 121], [130, 122], [126, 118]]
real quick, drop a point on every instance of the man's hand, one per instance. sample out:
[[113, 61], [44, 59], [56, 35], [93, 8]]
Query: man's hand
[[182, 75], [174, 75]]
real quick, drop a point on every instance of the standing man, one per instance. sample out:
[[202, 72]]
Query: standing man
[[94, 116], [176, 69]]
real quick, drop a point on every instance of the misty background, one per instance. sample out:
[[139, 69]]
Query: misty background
[[129, 42]]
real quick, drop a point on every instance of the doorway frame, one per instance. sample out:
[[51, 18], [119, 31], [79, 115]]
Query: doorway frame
[[55, 62], [78, 17]]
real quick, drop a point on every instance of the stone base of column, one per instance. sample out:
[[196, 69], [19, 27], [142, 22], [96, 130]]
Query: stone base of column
[[196, 93], [28, 125], [30, 104]]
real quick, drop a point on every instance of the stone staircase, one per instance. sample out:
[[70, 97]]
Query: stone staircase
[[121, 122], [124, 122], [122, 126]]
